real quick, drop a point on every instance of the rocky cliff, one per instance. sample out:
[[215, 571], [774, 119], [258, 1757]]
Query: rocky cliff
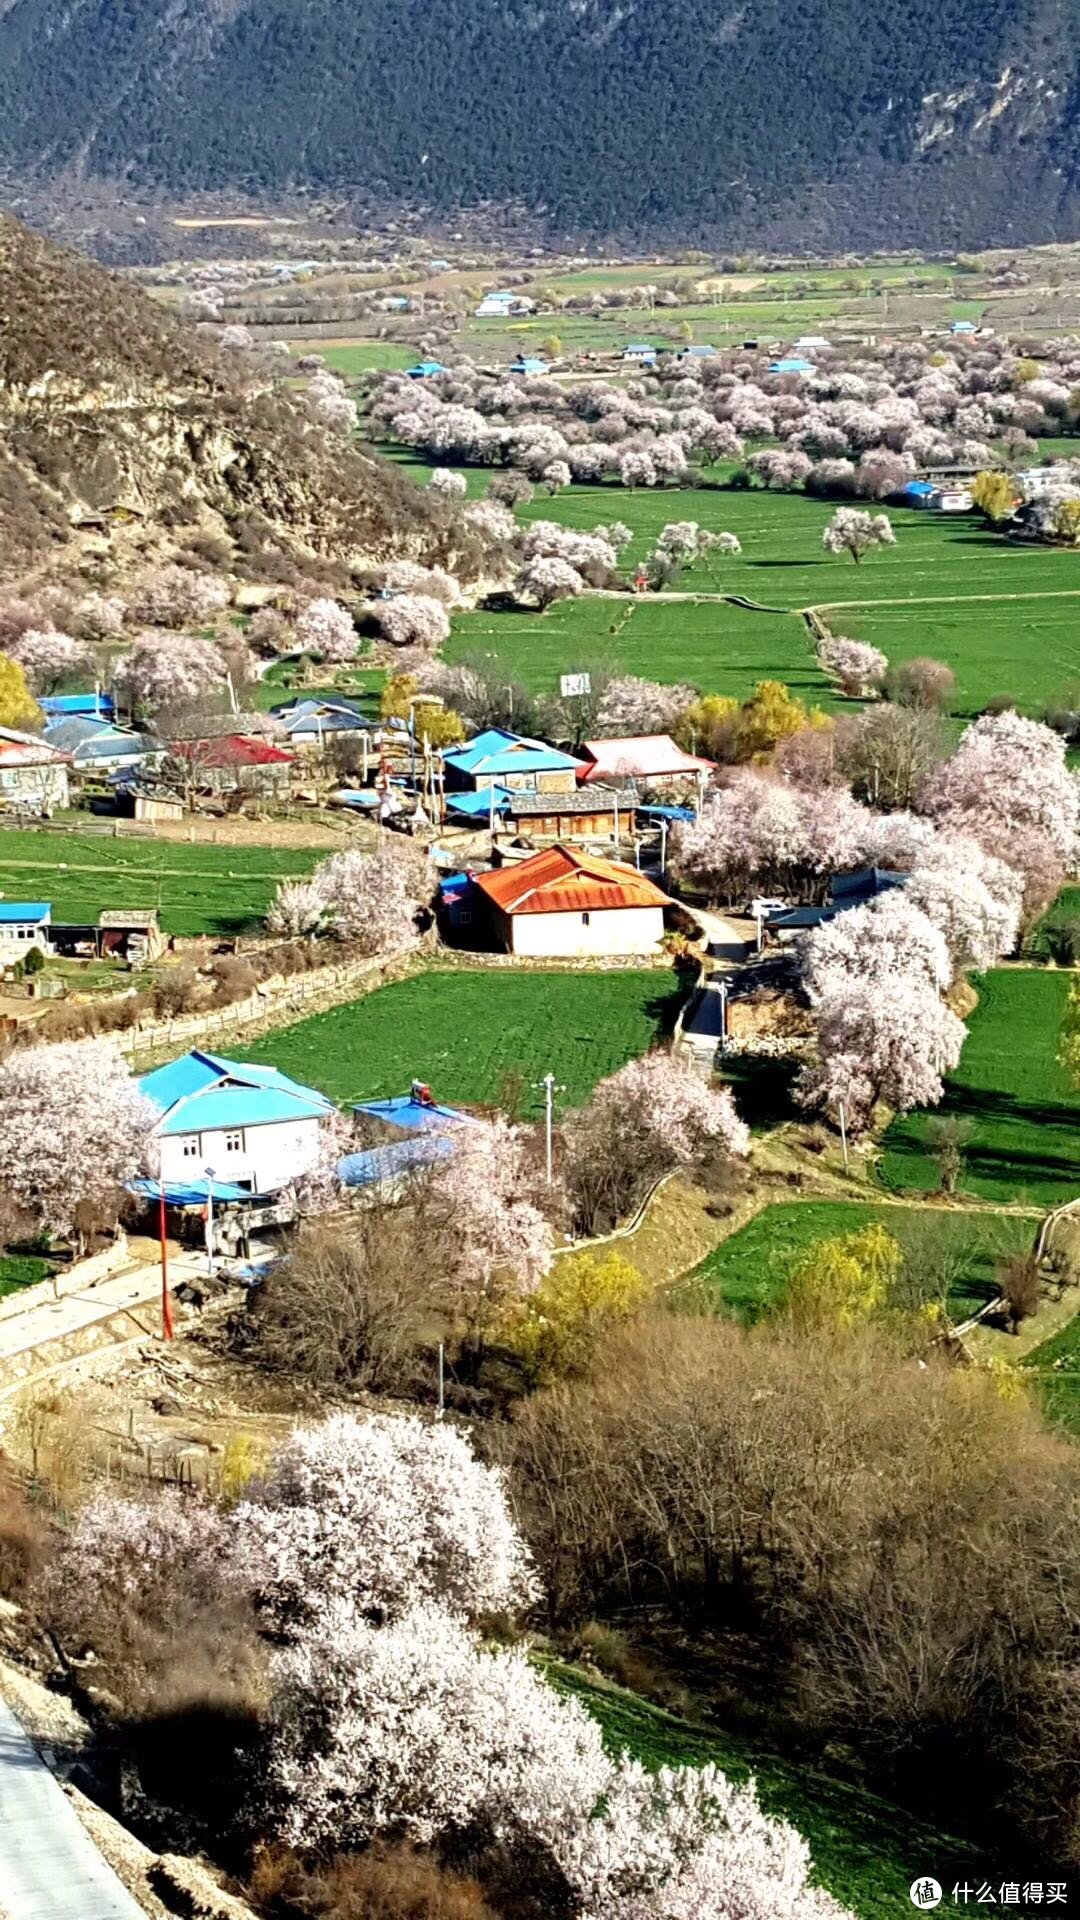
[[123, 433]]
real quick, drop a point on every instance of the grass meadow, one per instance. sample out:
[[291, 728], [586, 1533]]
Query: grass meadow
[[461, 1031], [1006, 618], [865, 1851], [197, 889], [1022, 1110], [746, 1274]]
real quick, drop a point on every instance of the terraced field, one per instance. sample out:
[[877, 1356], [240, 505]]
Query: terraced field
[[746, 1273], [1006, 618]]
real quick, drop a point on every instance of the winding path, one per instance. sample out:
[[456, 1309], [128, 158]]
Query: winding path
[[50, 1868]]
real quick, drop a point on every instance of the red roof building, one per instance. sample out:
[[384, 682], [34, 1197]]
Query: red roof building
[[650, 759], [563, 902], [233, 750]]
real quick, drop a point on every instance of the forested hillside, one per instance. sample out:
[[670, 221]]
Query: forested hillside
[[792, 121]]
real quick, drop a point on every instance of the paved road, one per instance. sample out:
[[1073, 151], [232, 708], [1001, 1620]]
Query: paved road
[[50, 1868], [56, 1319]]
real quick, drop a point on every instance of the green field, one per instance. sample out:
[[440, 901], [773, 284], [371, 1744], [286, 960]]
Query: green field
[[1006, 618], [1057, 1366], [1024, 1114], [720, 648], [459, 1031], [197, 889], [865, 1850], [746, 1273], [753, 315], [354, 357], [23, 1270]]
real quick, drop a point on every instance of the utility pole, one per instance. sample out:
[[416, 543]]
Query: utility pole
[[209, 1172], [843, 1135], [550, 1090]]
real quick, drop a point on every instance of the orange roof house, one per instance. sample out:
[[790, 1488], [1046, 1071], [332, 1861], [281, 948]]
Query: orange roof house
[[563, 902], [651, 759]]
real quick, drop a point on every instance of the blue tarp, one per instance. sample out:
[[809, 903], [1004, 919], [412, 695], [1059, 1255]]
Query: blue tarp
[[392, 1161]]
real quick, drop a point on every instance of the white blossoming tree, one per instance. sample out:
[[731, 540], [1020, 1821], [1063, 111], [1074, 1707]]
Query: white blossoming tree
[[370, 899], [852, 530], [328, 629], [73, 1130]]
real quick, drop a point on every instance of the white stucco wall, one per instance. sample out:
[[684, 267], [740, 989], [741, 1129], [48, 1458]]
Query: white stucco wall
[[566, 935], [271, 1156]]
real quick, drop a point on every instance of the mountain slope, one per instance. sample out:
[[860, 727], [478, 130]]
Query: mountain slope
[[930, 120], [122, 434]]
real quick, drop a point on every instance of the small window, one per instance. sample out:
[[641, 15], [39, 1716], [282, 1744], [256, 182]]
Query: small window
[[585, 919], [234, 1142], [465, 918], [189, 1149]]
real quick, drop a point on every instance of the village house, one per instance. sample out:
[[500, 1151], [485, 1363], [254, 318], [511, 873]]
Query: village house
[[565, 903], [96, 746], [33, 775], [23, 924], [311, 723], [501, 759], [248, 1128], [235, 763], [594, 812], [646, 760]]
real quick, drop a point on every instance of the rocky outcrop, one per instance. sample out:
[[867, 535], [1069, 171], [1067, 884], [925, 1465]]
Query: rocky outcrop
[[124, 435]]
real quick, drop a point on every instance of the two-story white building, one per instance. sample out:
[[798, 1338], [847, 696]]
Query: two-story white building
[[224, 1122]]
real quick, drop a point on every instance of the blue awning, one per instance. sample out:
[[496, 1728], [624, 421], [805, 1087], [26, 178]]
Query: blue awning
[[194, 1193]]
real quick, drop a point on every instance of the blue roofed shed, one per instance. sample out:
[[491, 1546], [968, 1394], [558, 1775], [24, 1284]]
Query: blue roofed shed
[[425, 370], [794, 364], [529, 364]]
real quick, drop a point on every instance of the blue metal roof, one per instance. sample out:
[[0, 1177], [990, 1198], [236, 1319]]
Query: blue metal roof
[[77, 703], [204, 1091], [794, 365], [923, 488], [477, 806], [424, 369], [22, 912], [528, 364], [852, 889], [397, 1157], [412, 1115], [496, 751], [666, 813]]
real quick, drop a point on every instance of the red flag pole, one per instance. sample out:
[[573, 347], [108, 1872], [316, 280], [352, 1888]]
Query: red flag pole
[[166, 1303]]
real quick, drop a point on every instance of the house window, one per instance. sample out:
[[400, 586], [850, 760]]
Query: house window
[[585, 919], [189, 1147], [234, 1142]]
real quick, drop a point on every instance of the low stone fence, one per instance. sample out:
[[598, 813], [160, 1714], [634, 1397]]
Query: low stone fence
[[84, 1273], [269, 1006]]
